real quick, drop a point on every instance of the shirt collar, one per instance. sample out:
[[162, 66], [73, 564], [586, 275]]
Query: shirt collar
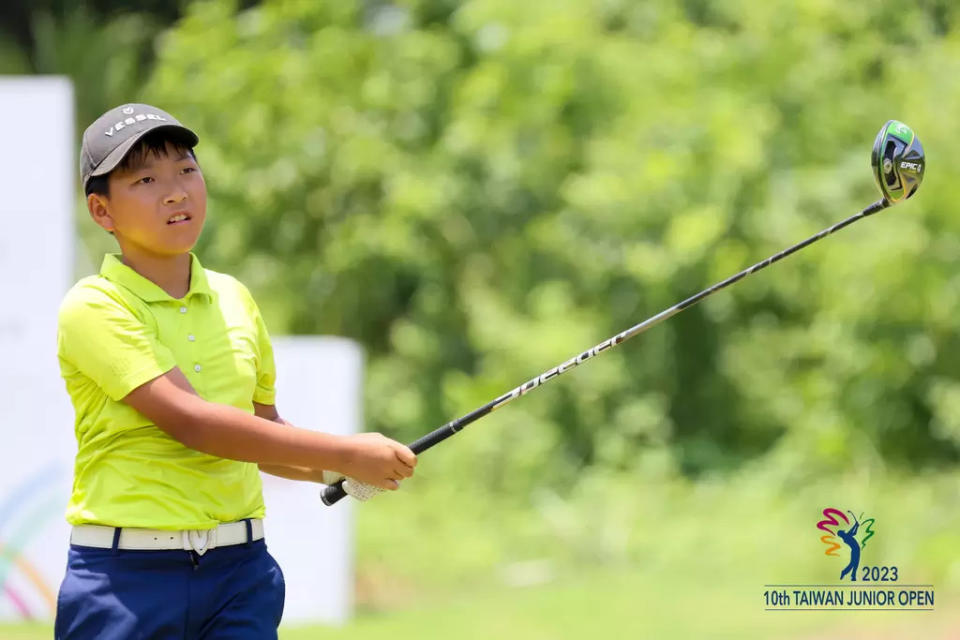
[[115, 271]]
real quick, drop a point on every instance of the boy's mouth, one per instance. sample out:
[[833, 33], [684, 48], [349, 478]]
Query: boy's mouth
[[179, 218]]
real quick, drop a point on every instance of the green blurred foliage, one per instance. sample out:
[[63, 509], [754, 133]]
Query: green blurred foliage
[[106, 48], [477, 190]]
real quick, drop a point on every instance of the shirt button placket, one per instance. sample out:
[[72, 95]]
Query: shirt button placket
[[191, 338]]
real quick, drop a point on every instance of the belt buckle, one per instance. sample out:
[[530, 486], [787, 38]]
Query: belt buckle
[[199, 540]]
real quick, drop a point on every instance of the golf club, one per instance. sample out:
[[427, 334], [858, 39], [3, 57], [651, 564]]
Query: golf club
[[898, 167]]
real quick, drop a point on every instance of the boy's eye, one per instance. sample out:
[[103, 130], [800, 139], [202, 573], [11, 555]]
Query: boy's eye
[[145, 180], [188, 170]]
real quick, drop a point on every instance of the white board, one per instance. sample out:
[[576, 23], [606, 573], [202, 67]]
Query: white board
[[319, 382], [38, 178]]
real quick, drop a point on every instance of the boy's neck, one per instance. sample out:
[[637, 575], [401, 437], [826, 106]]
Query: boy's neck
[[170, 273]]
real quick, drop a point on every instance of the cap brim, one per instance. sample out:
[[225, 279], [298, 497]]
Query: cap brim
[[189, 138]]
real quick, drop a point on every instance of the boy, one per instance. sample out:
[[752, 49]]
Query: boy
[[171, 373]]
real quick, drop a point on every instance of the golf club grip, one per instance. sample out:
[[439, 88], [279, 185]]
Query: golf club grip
[[335, 492]]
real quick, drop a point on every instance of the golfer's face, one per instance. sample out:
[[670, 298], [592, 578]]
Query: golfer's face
[[161, 204]]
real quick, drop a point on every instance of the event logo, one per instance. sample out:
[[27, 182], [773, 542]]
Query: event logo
[[854, 535], [862, 586]]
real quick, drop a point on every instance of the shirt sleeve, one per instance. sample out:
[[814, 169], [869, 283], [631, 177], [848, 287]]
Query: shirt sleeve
[[105, 340], [266, 391]]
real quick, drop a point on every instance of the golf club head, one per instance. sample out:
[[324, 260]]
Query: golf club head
[[898, 161]]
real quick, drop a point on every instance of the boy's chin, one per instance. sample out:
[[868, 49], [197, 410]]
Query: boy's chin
[[171, 251], [186, 245]]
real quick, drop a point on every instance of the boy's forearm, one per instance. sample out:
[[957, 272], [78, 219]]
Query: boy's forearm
[[228, 432], [293, 473], [170, 402], [285, 471]]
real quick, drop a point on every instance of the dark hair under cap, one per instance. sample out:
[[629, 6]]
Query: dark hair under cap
[[153, 143]]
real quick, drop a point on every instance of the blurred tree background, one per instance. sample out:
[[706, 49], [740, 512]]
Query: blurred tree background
[[476, 190]]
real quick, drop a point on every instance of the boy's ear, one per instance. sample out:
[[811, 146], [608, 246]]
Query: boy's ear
[[100, 211]]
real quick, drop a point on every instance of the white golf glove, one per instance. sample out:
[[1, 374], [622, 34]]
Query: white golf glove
[[354, 488]]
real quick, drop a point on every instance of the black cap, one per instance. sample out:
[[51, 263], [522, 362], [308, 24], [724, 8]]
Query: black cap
[[112, 135]]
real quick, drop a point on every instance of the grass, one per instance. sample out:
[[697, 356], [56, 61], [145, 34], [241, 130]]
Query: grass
[[611, 604], [622, 604], [618, 557]]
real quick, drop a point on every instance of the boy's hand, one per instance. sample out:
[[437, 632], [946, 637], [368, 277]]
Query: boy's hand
[[376, 460], [353, 488]]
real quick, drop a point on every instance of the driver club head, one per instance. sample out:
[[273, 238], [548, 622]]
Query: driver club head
[[898, 161]]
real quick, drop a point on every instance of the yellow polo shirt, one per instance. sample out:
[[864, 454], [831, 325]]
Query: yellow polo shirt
[[118, 330]]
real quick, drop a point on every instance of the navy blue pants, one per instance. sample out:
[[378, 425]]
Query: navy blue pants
[[234, 592]]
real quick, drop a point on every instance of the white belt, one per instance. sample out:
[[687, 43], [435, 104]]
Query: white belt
[[199, 540]]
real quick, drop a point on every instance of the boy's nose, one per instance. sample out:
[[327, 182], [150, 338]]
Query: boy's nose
[[175, 197]]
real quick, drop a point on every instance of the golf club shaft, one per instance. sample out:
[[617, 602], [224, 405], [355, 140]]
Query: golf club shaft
[[335, 492]]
